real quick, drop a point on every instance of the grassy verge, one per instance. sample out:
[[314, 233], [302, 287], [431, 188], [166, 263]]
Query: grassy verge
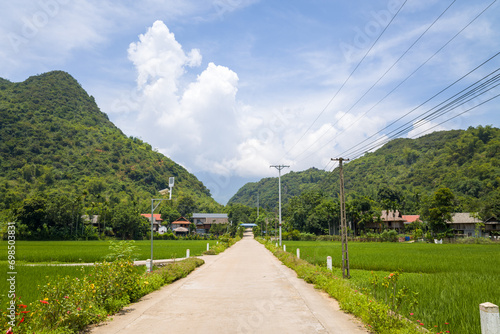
[[68, 304], [377, 316], [222, 245]]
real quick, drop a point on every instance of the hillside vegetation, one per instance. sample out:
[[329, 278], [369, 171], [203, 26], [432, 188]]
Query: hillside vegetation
[[61, 157], [405, 171]]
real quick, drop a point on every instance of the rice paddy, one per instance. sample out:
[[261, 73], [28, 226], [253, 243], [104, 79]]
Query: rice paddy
[[29, 277], [451, 279]]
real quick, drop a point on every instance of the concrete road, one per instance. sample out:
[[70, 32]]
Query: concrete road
[[243, 290]]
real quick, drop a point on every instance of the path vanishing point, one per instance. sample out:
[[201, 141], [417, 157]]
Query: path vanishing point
[[245, 289]]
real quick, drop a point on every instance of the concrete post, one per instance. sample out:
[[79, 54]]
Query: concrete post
[[276, 244], [284, 248], [208, 246], [490, 319], [329, 262], [148, 265], [298, 253], [187, 253]]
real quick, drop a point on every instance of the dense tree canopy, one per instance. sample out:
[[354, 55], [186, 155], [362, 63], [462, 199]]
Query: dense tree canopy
[[404, 173], [61, 158]]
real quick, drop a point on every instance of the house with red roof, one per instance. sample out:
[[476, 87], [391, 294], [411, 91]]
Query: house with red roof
[[156, 220]]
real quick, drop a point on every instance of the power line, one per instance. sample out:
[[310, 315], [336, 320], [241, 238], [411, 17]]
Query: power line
[[429, 99], [411, 74], [345, 82], [467, 95], [379, 79]]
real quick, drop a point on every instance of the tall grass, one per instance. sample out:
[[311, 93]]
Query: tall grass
[[451, 280]]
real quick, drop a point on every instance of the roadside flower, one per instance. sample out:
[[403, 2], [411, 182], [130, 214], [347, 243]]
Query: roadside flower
[[411, 313], [9, 331], [44, 302]]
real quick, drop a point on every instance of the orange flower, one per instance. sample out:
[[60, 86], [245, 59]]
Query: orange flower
[[44, 302]]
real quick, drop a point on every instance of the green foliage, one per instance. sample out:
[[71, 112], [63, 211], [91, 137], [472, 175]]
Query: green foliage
[[61, 158], [402, 174], [122, 250], [224, 242], [68, 304], [440, 210]]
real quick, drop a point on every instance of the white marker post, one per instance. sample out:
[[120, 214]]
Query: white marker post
[[284, 248], [298, 253], [490, 319], [208, 246], [187, 253], [329, 262]]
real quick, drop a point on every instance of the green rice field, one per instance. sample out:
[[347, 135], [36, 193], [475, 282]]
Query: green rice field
[[92, 251], [29, 277], [451, 279]]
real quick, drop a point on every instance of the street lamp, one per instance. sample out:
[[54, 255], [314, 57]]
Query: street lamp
[[153, 208]]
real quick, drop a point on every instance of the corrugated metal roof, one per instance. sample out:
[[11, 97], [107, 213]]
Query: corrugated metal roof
[[463, 218], [209, 215]]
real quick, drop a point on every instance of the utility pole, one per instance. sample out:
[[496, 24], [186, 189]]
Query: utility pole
[[279, 168], [261, 226], [343, 223], [257, 205]]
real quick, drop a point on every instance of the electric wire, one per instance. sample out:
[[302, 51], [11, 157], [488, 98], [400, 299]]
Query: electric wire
[[426, 101], [410, 75], [381, 77], [462, 99], [409, 124], [406, 128], [345, 82]]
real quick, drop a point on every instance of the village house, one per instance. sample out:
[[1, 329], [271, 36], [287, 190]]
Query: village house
[[389, 220], [464, 224], [181, 225], [204, 221], [156, 220], [492, 227]]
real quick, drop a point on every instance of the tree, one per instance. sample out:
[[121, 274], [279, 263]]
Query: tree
[[328, 211], [441, 208], [186, 205], [32, 212], [128, 223]]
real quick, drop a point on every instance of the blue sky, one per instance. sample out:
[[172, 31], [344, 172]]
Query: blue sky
[[227, 88]]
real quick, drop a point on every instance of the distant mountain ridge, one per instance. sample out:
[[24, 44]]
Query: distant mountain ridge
[[466, 161], [54, 138]]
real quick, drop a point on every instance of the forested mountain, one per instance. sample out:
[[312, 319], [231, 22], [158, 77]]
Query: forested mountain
[[405, 171], [61, 155]]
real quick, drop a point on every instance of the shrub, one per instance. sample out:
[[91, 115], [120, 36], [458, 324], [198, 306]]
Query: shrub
[[68, 304]]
